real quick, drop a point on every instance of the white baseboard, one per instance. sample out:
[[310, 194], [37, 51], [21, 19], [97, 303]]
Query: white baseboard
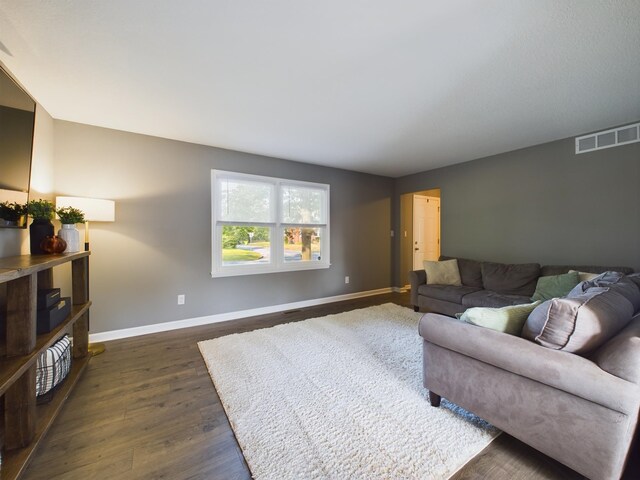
[[224, 317]]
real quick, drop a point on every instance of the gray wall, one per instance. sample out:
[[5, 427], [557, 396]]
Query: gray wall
[[539, 204], [159, 245]]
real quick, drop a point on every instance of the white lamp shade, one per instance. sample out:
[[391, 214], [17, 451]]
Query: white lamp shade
[[95, 209]]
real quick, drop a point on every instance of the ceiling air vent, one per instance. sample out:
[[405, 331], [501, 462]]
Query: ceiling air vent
[[608, 138]]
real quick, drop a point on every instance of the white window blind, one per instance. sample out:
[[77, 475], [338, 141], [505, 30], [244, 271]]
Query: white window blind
[[303, 205]]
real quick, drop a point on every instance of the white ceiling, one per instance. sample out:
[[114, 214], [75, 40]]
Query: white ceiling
[[376, 86]]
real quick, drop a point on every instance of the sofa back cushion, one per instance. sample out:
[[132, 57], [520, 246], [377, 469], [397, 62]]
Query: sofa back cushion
[[442, 273], [470, 271], [559, 269], [514, 279], [620, 356], [581, 323]]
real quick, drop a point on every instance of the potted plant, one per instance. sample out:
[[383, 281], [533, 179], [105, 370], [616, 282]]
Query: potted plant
[[42, 212], [69, 216], [13, 213]]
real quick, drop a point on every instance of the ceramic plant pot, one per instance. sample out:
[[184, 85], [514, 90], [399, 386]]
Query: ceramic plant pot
[[70, 234], [38, 231]]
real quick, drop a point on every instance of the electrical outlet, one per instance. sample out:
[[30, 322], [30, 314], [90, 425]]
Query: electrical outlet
[[346, 279], [181, 299], [392, 233]]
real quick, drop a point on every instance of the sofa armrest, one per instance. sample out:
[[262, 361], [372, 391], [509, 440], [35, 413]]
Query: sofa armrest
[[416, 278], [565, 371]]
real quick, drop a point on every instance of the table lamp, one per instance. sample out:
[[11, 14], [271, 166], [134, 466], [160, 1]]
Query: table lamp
[[95, 210]]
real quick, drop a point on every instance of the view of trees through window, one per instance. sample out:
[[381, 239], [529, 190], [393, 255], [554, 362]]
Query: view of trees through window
[[251, 244]]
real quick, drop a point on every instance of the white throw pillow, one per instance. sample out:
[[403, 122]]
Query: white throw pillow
[[585, 276], [509, 319], [442, 273]]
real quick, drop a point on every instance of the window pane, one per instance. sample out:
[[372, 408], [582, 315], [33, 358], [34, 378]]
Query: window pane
[[245, 201], [245, 245], [303, 204], [302, 244]]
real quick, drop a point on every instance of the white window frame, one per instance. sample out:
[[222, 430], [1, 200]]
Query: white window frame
[[277, 228]]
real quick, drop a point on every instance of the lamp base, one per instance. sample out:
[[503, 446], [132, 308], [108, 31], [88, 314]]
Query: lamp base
[[96, 348]]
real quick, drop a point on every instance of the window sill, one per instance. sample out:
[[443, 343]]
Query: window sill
[[238, 270]]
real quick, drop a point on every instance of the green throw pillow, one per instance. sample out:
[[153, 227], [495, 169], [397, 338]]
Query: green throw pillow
[[555, 286], [508, 319]]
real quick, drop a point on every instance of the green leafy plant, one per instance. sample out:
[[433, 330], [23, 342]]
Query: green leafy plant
[[41, 209], [70, 215], [12, 212]]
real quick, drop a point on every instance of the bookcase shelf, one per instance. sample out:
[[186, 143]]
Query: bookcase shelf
[[26, 423]]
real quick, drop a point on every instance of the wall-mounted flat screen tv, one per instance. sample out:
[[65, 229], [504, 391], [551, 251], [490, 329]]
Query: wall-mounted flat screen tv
[[17, 120]]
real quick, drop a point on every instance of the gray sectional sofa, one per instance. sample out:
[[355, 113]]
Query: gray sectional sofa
[[569, 386], [487, 284]]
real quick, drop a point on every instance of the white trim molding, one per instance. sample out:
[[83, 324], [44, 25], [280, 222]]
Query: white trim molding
[[225, 317]]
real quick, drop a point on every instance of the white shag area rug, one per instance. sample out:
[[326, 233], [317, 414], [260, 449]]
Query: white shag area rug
[[340, 397]]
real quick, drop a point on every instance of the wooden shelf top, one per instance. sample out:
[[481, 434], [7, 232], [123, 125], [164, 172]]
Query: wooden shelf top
[[23, 265]]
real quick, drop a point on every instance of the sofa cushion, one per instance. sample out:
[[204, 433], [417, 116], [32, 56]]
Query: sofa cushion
[[578, 324], [615, 281], [509, 319], [620, 356], [511, 279], [555, 286], [486, 298], [442, 273], [448, 293], [559, 269], [470, 271]]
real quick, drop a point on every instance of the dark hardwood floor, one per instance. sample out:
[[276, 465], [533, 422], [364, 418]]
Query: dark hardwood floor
[[147, 409]]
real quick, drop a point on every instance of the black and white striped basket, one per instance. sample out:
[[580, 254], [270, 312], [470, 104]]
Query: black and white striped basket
[[53, 365]]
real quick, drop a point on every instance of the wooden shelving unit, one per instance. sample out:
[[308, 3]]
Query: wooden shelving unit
[[26, 423]]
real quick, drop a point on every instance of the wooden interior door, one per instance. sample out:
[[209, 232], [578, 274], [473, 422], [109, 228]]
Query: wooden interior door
[[426, 230]]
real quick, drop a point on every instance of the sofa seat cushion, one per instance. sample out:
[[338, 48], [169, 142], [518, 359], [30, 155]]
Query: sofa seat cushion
[[448, 293], [486, 298], [511, 279], [581, 323]]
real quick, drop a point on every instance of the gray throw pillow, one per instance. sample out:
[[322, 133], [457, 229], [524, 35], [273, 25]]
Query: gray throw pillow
[[615, 281], [635, 278], [578, 324]]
